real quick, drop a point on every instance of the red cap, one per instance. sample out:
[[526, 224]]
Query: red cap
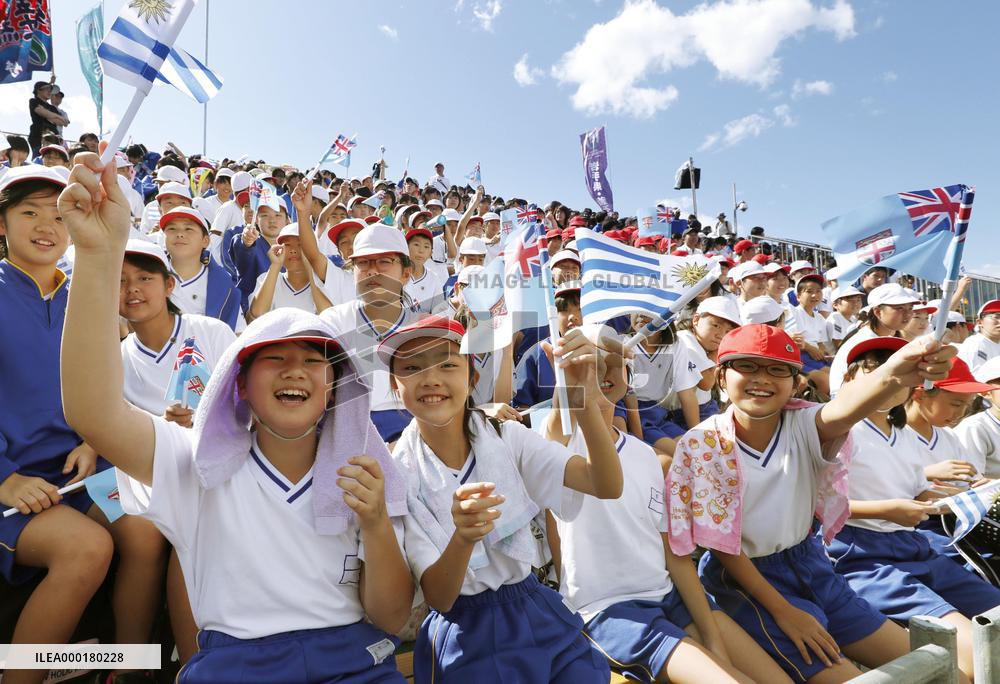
[[553, 234], [679, 252], [413, 217], [992, 306], [812, 276], [890, 343], [474, 219], [417, 232], [742, 246], [614, 235], [431, 326], [961, 381], [762, 258], [568, 234], [335, 231], [759, 341], [665, 244], [578, 222], [371, 219], [647, 240], [242, 197]]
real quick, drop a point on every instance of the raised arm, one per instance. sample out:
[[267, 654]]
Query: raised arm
[[97, 217], [469, 211], [302, 201], [264, 299]]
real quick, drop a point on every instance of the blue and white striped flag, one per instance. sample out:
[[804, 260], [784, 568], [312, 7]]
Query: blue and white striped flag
[[140, 40], [189, 76], [970, 507], [619, 280]]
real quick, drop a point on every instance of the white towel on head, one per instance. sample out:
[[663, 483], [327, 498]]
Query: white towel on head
[[431, 488], [223, 436]]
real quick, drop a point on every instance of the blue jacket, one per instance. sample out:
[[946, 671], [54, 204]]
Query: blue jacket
[[250, 262], [534, 378], [222, 297], [34, 435], [226, 249]]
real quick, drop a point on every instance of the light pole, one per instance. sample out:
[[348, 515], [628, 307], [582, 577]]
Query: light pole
[[737, 207]]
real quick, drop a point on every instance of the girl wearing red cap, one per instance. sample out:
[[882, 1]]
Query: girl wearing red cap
[[474, 488], [748, 485], [879, 551]]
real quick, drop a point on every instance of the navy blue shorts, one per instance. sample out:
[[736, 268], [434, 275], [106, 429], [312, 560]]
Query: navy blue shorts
[[10, 532], [358, 654], [901, 575], [706, 410], [656, 423], [804, 576], [519, 633], [638, 637], [809, 364], [391, 423]]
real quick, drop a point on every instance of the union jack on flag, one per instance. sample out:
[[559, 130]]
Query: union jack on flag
[[524, 254], [933, 210], [189, 353], [341, 148], [189, 376], [525, 216]]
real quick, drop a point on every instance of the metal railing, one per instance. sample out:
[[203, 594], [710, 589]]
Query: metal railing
[[983, 288], [932, 660]]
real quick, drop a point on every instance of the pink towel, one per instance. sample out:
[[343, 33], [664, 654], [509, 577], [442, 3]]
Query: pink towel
[[704, 487], [223, 437]]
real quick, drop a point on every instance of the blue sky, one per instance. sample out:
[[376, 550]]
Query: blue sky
[[812, 108]]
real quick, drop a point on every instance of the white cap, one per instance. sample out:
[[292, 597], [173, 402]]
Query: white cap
[[320, 193], [745, 270], [723, 307], [936, 303], [241, 181], [224, 172], [379, 238], [30, 172], [891, 294], [564, 255], [451, 214], [799, 265], [56, 148], [170, 174], [772, 267], [466, 274], [434, 203], [762, 309], [956, 317], [988, 371], [151, 249], [491, 216], [171, 188], [291, 230], [184, 212], [472, 245], [846, 291], [121, 160]]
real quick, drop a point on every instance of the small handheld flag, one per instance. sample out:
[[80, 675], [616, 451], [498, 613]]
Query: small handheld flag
[[263, 193], [375, 201], [475, 176], [659, 222], [971, 506], [189, 377], [406, 172], [102, 488], [340, 150]]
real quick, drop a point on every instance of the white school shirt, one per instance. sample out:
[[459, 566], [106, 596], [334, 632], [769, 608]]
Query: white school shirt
[[980, 433], [837, 326], [150, 218], [190, 295], [439, 250], [228, 216], [883, 467], [357, 335], [699, 357], [253, 563], [977, 350], [660, 374], [779, 484], [286, 296], [488, 365], [542, 466], [627, 530], [207, 207], [813, 327], [944, 445], [839, 365], [147, 371], [426, 290]]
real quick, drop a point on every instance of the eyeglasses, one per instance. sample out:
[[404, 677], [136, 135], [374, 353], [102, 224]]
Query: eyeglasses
[[748, 367], [382, 263], [990, 317]]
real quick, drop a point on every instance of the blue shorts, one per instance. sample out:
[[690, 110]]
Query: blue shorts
[[391, 423], [809, 364], [706, 410], [10, 532], [656, 423], [519, 633], [638, 637], [804, 576], [901, 575], [358, 654]]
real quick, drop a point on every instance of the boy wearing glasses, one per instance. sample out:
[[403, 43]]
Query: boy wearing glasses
[[984, 345], [381, 264]]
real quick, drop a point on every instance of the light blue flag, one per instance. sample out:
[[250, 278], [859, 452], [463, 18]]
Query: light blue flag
[[189, 76], [490, 325], [524, 287], [189, 377], [970, 507], [508, 223], [103, 489], [89, 32], [906, 231]]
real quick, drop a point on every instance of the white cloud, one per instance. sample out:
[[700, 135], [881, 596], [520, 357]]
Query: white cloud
[[486, 12], [889, 76], [749, 126], [738, 37], [524, 74], [784, 114], [803, 89], [879, 22], [389, 31]]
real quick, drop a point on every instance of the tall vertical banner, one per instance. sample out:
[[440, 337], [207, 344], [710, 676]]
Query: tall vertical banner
[[595, 166], [25, 39], [89, 34]]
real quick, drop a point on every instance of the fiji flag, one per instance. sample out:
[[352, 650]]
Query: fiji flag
[[103, 489], [659, 222], [340, 150], [619, 280], [262, 192], [475, 176], [490, 326], [970, 507], [907, 231], [189, 377], [524, 255]]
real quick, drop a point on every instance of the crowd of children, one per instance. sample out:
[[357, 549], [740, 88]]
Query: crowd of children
[[748, 495]]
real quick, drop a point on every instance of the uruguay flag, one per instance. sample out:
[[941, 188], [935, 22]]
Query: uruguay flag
[[970, 507], [189, 76], [140, 40], [619, 280], [907, 231]]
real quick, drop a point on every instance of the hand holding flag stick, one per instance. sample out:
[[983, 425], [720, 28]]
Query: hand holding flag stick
[[65, 490], [553, 316]]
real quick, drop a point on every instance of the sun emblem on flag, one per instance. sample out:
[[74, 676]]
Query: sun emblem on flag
[[152, 10], [689, 274]]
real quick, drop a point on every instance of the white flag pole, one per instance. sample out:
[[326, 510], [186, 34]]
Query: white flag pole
[[65, 490], [122, 128]]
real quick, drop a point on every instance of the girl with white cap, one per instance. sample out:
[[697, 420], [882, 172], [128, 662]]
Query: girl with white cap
[[289, 280], [980, 432], [473, 490], [272, 456]]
